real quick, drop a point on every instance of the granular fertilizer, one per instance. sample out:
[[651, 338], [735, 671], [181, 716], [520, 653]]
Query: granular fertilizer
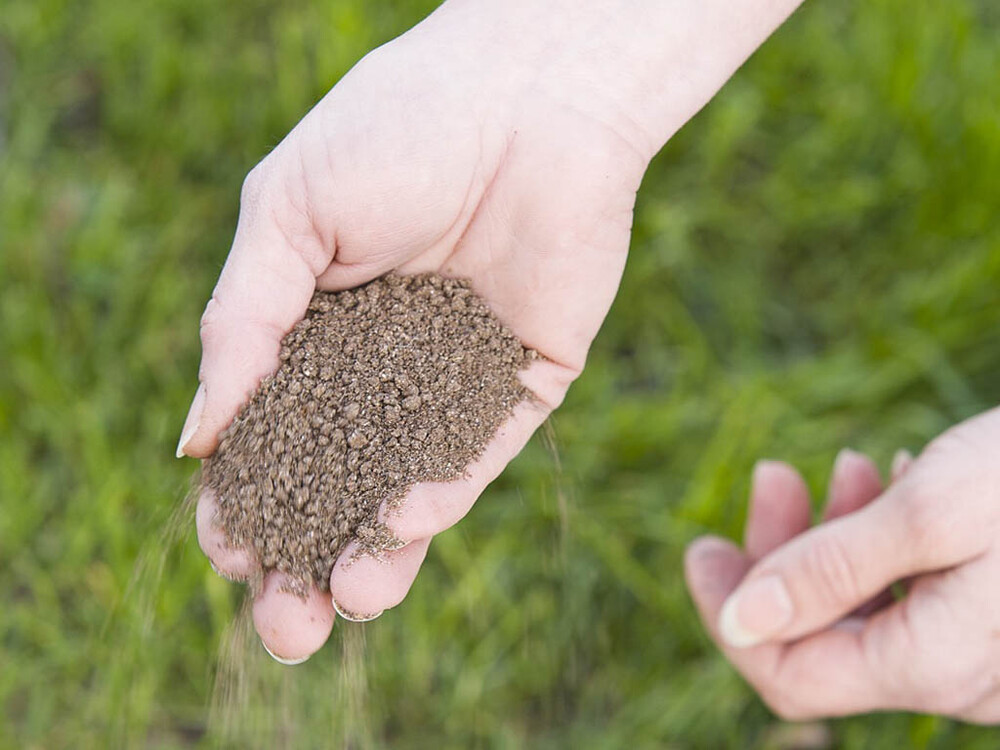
[[403, 380]]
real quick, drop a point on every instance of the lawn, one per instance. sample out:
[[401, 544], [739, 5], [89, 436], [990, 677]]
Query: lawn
[[815, 263]]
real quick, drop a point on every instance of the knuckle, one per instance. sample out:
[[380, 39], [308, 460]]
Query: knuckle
[[831, 571]]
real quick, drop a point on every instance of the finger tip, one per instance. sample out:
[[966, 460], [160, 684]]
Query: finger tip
[[854, 482], [848, 460], [291, 627], [362, 582], [846, 454], [779, 503], [762, 469], [769, 474], [230, 562], [706, 558], [354, 584], [713, 569], [413, 516], [768, 464], [706, 546]]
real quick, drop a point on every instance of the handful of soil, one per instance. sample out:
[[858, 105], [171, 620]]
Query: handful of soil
[[403, 380]]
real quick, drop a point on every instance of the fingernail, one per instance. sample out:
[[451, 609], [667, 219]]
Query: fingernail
[[900, 463], [354, 616], [755, 612], [221, 574], [193, 420], [286, 662]]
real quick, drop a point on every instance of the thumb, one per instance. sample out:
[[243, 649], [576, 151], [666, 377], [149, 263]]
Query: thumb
[[824, 574], [264, 289]]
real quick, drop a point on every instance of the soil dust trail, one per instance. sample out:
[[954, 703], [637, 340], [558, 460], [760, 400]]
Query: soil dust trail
[[258, 703]]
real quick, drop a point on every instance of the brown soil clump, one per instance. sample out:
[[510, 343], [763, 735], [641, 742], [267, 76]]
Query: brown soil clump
[[403, 380]]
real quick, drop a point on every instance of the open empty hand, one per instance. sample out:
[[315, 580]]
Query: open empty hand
[[806, 615]]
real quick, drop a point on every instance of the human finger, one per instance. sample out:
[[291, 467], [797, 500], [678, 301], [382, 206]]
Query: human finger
[[830, 570], [779, 507], [235, 563], [291, 627], [854, 482], [364, 584], [713, 568]]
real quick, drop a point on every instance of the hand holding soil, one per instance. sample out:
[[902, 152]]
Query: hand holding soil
[[497, 142], [401, 381], [410, 168]]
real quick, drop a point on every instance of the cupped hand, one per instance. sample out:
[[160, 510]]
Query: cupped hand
[[806, 614], [415, 162], [501, 142]]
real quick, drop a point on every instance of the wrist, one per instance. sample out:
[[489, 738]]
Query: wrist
[[641, 67]]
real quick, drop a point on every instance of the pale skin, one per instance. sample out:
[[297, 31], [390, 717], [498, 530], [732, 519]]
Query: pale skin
[[803, 613], [503, 141]]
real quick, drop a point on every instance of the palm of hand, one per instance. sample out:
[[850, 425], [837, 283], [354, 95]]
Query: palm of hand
[[403, 166]]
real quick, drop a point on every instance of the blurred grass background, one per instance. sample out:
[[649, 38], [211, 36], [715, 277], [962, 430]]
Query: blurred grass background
[[816, 263]]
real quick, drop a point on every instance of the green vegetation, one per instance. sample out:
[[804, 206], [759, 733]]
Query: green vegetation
[[816, 263]]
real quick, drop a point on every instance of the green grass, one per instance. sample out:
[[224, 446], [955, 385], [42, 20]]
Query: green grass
[[816, 262]]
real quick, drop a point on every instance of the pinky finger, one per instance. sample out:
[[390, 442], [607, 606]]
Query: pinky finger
[[230, 562]]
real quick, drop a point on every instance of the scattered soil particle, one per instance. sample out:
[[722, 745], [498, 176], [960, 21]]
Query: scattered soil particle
[[403, 380]]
